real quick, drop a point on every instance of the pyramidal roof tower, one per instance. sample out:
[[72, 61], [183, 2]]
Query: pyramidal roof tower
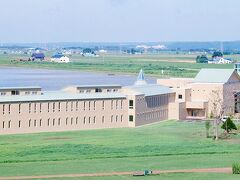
[[140, 79]]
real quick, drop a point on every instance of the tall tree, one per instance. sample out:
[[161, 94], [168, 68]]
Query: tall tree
[[217, 108]]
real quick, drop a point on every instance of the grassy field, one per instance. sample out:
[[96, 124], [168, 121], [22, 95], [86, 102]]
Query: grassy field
[[167, 145], [176, 65]]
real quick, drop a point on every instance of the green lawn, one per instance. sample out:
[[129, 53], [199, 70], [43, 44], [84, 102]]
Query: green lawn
[[167, 145], [177, 65]]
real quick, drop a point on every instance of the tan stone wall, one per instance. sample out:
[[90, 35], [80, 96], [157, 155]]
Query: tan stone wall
[[71, 116]]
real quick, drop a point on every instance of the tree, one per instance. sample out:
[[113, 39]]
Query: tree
[[217, 54], [87, 50], [229, 125], [202, 59], [218, 109], [207, 126]]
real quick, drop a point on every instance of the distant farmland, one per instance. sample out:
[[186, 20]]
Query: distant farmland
[[161, 65]]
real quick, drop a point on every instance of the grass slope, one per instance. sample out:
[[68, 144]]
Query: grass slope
[[167, 145]]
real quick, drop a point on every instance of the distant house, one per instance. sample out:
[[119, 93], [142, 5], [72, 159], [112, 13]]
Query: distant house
[[38, 56], [220, 60], [60, 58]]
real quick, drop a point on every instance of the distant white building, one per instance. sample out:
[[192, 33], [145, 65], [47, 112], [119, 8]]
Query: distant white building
[[220, 60], [60, 58]]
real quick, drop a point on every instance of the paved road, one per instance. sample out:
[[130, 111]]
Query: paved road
[[205, 170]]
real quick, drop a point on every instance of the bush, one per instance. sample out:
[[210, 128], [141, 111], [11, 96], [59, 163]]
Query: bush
[[229, 125], [236, 168], [207, 126]]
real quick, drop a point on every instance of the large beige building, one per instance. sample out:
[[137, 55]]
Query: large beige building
[[29, 109]]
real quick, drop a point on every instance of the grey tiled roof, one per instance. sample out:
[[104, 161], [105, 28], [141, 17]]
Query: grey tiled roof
[[59, 95]]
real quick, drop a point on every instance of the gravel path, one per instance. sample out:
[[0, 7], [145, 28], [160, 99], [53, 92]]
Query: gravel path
[[205, 170]]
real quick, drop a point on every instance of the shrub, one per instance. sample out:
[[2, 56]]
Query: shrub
[[229, 125], [207, 126], [236, 168]]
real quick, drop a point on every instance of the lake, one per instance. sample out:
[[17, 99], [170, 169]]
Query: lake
[[58, 79]]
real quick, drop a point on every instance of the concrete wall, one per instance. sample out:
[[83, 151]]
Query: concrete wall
[[43, 117]]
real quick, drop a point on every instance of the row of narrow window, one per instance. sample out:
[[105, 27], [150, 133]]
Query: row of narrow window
[[66, 121], [153, 115], [156, 101], [56, 106]]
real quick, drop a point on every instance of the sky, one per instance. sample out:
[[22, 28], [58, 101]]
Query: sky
[[42, 21]]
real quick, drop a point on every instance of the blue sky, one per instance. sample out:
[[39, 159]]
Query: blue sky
[[118, 20]]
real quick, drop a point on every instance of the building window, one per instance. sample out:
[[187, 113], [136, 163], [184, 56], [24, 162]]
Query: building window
[[3, 124], [48, 123], [3, 93], [35, 123], [84, 120], [71, 121], [59, 106], [94, 119], [111, 104], [76, 105], [89, 120], [19, 124], [94, 105], [130, 118], [71, 105], [35, 107], [34, 92], [40, 123], [66, 121], [103, 105], [103, 119], [19, 108], [84, 105], [9, 124], [76, 120], [54, 107], [97, 90], [121, 104], [180, 96], [9, 108], [3, 108], [14, 92], [53, 122], [116, 118], [89, 105], [88, 91], [40, 107], [111, 118], [130, 104], [66, 106], [48, 107], [27, 93], [29, 123], [121, 118]]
